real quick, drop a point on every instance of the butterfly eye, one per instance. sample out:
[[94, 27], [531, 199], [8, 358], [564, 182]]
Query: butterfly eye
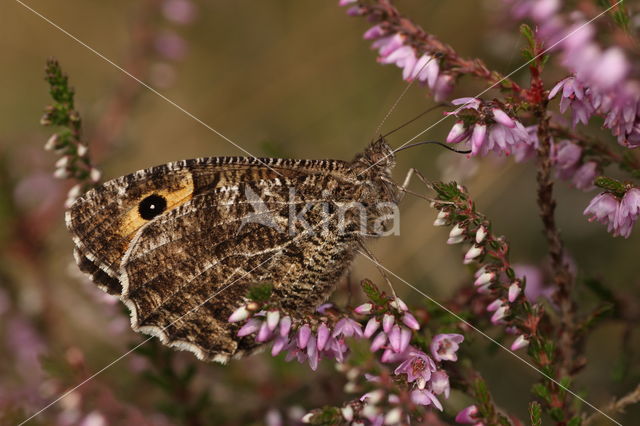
[[152, 206]]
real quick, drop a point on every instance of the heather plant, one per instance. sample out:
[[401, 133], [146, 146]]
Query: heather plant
[[572, 112]]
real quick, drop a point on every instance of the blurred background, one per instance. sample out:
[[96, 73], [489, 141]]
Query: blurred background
[[290, 78]]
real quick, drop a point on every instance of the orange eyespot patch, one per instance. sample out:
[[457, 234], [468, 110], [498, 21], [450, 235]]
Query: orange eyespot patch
[[154, 203]]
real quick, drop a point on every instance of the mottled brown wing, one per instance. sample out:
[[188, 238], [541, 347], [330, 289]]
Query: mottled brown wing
[[184, 272]]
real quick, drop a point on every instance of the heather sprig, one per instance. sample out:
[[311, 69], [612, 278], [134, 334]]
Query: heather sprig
[[503, 291], [408, 371], [74, 162]]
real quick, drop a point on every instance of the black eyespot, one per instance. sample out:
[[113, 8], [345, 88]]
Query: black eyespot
[[152, 206]]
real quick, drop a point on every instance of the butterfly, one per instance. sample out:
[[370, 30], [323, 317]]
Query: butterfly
[[181, 244]]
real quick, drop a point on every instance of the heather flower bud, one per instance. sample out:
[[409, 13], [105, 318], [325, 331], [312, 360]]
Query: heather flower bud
[[456, 231], [263, 333], [61, 173], [95, 175], [458, 133], [395, 339], [387, 322], [347, 413], [393, 417], [519, 343], [52, 143], [278, 345], [365, 308], [410, 321], [285, 326], [473, 252], [514, 291], [373, 397], [468, 415], [484, 278], [75, 191], [501, 117], [481, 233], [82, 150], [499, 314], [273, 317], [405, 339], [441, 219], [323, 336], [371, 327], [250, 327], [378, 341], [493, 306], [455, 240], [240, 314], [303, 336], [399, 305]]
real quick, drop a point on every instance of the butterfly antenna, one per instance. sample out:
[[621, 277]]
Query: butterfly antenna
[[404, 92], [434, 143], [406, 123]]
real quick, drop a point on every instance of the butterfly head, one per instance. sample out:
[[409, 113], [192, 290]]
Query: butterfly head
[[377, 160]]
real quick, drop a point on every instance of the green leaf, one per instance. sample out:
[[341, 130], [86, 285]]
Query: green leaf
[[611, 185], [576, 421], [260, 292], [373, 292], [528, 34], [535, 413], [541, 391]]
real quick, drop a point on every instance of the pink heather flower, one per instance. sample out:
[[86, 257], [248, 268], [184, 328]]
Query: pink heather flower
[[410, 321], [501, 117], [481, 233], [264, 333], [628, 212], [445, 346], [524, 150], [611, 68], [495, 305], [324, 333], [468, 415], [458, 133], [500, 136], [443, 87], [285, 326], [240, 314], [499, 314], [424, 397], [279, 344], [387, 322], [473, 252], [365, 308], [440, 383], [623, 117], [273, 318], [250, 327], [346, 2], [519, 343], [371, 327], [373, 33], [484, 278], [566, 157], [426, 70], [378, 341], [171, 46], [585, 175], [347, 327], [418, 367], [179, 11], [603, 208], [514, 291], [576, 96], [304, 333]]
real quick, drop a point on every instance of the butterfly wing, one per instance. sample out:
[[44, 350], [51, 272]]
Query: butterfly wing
[[183, 272]]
